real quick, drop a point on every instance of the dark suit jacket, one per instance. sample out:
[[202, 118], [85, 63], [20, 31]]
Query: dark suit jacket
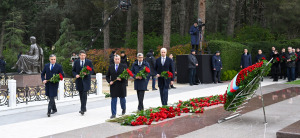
[[139, 84], [51, 88], [246, 60], [159, 68], [216, 62], [118, 89], [85, 83]]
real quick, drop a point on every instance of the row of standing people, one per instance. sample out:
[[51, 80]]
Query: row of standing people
[[283, 65], [118, 87]]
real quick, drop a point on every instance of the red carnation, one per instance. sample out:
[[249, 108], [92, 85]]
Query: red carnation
[[277, 59], [263, 58], [283, 57], [170, 74], [88, 68], [147, 69], [61, 76]]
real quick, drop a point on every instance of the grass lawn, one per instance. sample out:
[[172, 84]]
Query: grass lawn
[[294, 82]]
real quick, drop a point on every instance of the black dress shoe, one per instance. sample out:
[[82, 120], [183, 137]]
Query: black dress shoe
[[81, 112], [220, 82], [112, 116], [172, 87], [48, 114], [196, 84], [147, 90], [191, 84], [215, 82], [123, 111], [154, 89], [53, 112]]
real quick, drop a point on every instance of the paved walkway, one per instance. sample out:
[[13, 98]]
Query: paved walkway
[[36, 124]]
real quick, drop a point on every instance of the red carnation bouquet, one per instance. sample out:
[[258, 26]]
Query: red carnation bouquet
[[283, 59], [124, 75], [86, 69], [143, 73], [166, 74], [56, 78], [276, 60]]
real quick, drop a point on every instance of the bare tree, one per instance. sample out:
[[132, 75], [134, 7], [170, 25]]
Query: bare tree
[[167, 24], [140, 45], [2, 38], [231, 19], [128, 25], [182, 17], [106, 28]]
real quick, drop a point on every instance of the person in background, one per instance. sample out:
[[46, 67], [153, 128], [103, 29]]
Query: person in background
[[283, 57], [151, 61], [195, 39], [259, 56], [2, 65], [217, 67], [174, 70], [294, 50], [111, 57], [49, 70], [140, 84], [117, 85], [193, 63], [164, 63], [275, 66], [290, 65], [73, 58], [297, 70], [124, 59], [272, 52], [246, 59]]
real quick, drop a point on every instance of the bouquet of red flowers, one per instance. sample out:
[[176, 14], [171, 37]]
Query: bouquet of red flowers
[[56, 78], [166, 74], [283, 59], [86, 69], [124, 75], [143, 73], [276, 60]]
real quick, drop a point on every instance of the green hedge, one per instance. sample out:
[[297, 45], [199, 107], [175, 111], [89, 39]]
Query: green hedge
[[265, 46], [230, 53]]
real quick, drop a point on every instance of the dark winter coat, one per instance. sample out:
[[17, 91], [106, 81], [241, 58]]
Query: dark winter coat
[[216, 62], [47, 74], [291, 63], [192, 61], [118, 88], [159, 68], [259, 57], [151, 61], [246, 60], [194, 32], [139, 84]]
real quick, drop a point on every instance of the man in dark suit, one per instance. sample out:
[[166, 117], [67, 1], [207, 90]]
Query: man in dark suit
[[49, 70], [151, 60], [82, 85], [193, 63], [246, 59], [164, 63], [217, 67], [117, 85]]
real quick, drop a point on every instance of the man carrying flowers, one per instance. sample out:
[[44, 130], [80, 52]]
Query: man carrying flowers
[[291, 64], [116, 76], [51, 75], [82, 70], [140, 69]]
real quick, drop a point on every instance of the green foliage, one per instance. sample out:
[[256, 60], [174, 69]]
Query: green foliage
[[265, 46], [67, 41], [67, 67], [152, 41], [230, 53], [15, 29], [107, 95], [253, 33], [228, 75]]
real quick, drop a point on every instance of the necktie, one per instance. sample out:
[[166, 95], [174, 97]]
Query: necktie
[[116, 68], [163, 61], [51, 67], [81, 63]]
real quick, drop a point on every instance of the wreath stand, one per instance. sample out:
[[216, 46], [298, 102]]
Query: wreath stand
[[248, 96]]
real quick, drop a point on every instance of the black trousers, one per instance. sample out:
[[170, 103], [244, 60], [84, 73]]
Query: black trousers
[[283, 70], [51, 105], [140, 95], [217, 75], [192, 74], [196, 47], [83, 99]]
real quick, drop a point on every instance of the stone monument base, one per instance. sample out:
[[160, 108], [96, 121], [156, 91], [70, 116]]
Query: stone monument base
[[24, 80]]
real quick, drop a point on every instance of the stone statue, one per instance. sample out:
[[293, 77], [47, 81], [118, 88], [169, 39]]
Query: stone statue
[[33, 62]]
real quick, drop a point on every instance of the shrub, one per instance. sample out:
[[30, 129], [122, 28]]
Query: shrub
[[230, 53], [176, 50], [67, 67], [228, 75], [253, 33]]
